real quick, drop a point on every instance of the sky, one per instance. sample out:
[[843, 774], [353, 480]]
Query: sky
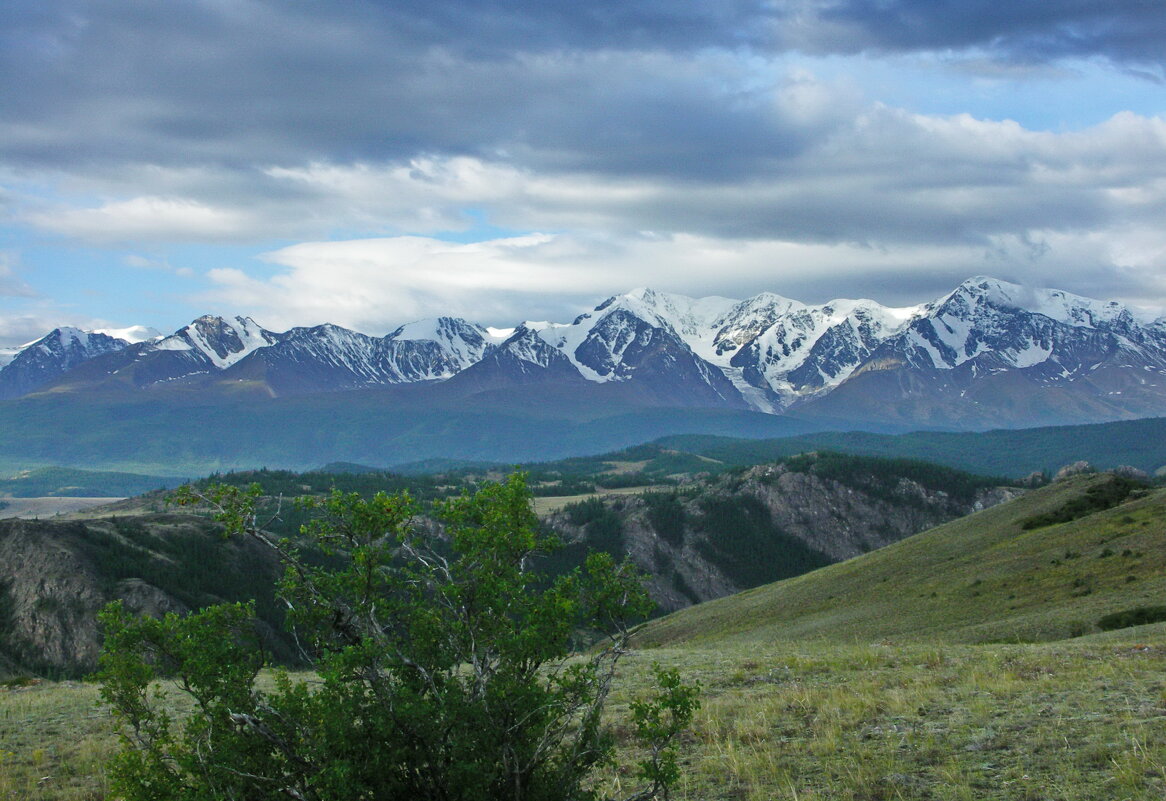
[[368, 163]]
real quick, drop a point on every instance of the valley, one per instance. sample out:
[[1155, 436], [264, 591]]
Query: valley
[[963, 662], [626, 400], [864, 624]]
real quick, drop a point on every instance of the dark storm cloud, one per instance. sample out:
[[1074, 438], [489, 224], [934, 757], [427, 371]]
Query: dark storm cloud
[[606, 86], [229, 83], [1128, 32]]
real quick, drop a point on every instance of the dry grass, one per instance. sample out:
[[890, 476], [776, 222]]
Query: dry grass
[[54, 740], [1076, 720], [1066, 721], [553, 503]]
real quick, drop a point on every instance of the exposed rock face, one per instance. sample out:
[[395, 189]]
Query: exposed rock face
[[56, 576], [1075, 469], [51, 595], [772, 522]]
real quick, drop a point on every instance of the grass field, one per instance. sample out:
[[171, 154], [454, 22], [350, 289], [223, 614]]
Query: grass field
[[1079, 719], [1082, 719], [552, 503]]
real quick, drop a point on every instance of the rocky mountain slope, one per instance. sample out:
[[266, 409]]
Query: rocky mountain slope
[[53, 355], [707, 538], [56, 576], [715, 537], [987, 354]]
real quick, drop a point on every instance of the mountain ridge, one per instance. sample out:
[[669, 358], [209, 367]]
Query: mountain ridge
[[987, 354]]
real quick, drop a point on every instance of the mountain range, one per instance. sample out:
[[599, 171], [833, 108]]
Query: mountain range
[[988, 354]]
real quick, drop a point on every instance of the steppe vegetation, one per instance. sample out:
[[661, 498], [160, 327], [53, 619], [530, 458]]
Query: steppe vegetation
[[970, 662], [1081, 719]]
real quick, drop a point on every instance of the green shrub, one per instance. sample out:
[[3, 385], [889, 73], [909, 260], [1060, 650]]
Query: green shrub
[[1097, 498], [666, 515], [443, 669]]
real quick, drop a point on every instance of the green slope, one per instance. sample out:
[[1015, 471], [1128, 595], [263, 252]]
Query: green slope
[[982, 578]]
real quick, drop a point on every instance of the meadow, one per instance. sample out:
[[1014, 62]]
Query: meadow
[[804, 721]]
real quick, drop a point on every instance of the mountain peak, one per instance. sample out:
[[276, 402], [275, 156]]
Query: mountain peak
[[1056, 304], [222, 341]]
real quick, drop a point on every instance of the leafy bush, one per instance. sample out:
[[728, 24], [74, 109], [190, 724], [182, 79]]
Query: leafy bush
[[1097, 498], [443, 668]]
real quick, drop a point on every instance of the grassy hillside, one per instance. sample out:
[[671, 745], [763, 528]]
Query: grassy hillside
[[982, 578]]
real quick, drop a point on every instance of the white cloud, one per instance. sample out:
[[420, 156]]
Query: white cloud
[[145, 219], [885, 203], [374, 285], [25, 327]]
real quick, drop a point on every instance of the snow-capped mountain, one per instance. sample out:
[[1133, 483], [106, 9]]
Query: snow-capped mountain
[[995, 353], [225, 352], [38, 363], [328, 358], [766, 353], [217, 341], [1019, 328], [987, 353], [205, 347]]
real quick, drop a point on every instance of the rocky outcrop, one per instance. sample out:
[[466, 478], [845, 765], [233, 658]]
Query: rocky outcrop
[[770, 522], [56, 576], [50, 597]]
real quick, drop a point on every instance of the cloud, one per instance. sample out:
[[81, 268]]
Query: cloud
[[683, 142], [1127, 32], [373, 285], [160, 264], [613, 86], [22, 328], [885, 178], [146, 219]]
